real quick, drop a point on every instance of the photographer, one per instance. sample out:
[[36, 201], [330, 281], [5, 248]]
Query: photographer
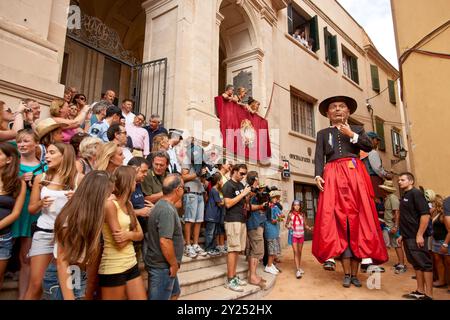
[[234, 195], [193, 201], [255, 229]]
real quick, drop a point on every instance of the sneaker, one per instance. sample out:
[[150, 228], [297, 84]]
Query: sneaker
[[213, 253], [277, 268], [190, 252], [199, 250], [371, 268], [400, 269], [355, 282], [222, 249], [425, 297], [301, 271], [347, 281], [240, 282], [233, 285], [298, 274], [414, 295], [271, 270]]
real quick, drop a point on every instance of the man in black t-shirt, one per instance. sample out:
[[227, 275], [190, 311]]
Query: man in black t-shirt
[[414, 218], [234, 194]]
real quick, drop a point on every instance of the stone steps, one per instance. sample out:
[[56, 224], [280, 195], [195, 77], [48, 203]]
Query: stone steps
[[219, 292], [205, 278], [10, 290]]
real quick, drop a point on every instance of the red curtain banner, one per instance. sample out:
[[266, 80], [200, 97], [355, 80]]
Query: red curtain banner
[[243, 133]]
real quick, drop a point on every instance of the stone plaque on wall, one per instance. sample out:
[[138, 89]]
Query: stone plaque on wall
[[243, 79]]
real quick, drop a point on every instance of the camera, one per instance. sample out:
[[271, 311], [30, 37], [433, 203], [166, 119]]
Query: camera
[[263, 196], [200, 161]]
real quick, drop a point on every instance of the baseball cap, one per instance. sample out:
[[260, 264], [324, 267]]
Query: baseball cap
[[112, 110]]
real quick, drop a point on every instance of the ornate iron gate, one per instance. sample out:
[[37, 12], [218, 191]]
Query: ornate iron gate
[[148, 80]]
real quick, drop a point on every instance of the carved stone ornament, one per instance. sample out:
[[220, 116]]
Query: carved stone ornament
[[95, 33]]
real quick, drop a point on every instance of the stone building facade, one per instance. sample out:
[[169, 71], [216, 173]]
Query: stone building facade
[[193, 48]]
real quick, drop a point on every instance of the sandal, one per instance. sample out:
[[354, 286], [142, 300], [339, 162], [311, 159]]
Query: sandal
[[330, 266]]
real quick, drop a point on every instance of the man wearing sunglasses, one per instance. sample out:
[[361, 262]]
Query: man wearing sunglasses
[[234, 194]]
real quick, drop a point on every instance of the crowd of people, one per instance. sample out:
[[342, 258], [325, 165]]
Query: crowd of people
[[91, 191]]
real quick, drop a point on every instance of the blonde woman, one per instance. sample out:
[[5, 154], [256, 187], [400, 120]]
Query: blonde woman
[[50, 192], [88, 154], [109, 157], [119, 276], [160, 142]]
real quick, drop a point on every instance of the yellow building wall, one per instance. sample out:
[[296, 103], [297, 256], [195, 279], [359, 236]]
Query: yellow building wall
[[426, 83]]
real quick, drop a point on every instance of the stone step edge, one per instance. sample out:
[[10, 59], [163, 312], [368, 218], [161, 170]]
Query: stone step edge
[[214, 272], [222, 293]]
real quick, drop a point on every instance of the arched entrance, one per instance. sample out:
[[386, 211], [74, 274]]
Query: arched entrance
[[98, 56], [239, 54]]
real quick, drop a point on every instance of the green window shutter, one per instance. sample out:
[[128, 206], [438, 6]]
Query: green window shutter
[[354, 69], [375, 78], [327, 44], [380, 131], [392, 98], [334, 51], [290, 20], [314, 32]]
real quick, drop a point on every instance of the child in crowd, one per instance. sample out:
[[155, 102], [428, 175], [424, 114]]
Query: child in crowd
[[296, 223], [213, 215], [272, 232], [30, 167]]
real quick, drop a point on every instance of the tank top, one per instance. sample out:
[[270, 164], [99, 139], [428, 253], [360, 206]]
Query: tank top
[[297, 226], [48, 215], [116, 260], [6, 205]]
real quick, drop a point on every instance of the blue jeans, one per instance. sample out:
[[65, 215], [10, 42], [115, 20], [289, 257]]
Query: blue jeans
[[211, 231], [161, 286], [52, 290]]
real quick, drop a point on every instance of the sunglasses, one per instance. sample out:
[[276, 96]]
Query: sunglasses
[[242, 173]]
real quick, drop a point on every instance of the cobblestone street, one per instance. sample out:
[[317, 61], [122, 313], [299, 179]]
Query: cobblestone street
[[318, 284]]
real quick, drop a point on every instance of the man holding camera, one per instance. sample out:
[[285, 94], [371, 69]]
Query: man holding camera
[[255, 230], [234, 194], [193, 204]]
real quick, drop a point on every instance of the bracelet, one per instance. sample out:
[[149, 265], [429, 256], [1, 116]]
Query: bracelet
[[445, 245]]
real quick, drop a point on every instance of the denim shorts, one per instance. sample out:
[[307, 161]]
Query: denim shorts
[[42, 243], [161, 286], [194, 207], [51, 288], [6, 246], [437, 244]]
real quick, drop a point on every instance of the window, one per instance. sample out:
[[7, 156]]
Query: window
[[302, 113], [331, 54], [379, 126], [392, 98], [64, 68], [299, 20], [375, 78], [350, 65], [397, 141], [308, 195]]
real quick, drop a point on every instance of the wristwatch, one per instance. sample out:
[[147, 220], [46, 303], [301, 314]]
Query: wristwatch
[[445, 245]]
